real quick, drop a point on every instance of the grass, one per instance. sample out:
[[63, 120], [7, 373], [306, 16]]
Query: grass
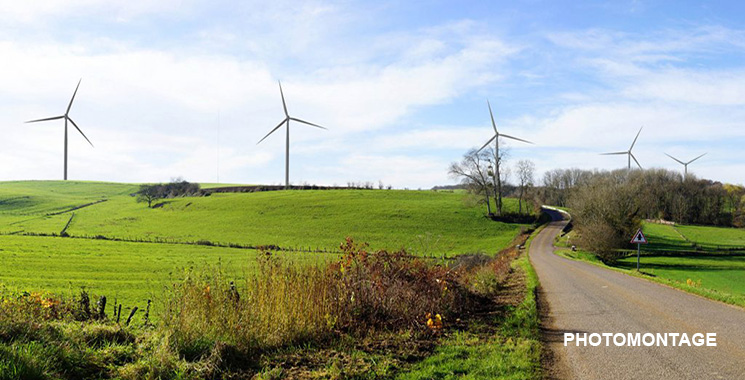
[[513, 352], [664, 237], [423, 222], [129, 272], [714, 238], [304, 310], [717, 277], [284, 320]]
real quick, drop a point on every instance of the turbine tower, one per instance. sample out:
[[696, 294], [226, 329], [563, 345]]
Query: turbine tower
[[685, 164], [67, 118], [628, 152], [284, 121], [495, 174]]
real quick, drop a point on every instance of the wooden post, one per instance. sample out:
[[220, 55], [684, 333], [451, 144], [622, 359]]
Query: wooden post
[[131, 314]]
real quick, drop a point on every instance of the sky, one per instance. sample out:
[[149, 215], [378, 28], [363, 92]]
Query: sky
[[186, 88]]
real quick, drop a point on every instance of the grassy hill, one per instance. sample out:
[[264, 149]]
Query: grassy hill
[[423, 222], [417, 220]]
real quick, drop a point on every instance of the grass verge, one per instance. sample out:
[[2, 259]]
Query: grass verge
[[503, 346]]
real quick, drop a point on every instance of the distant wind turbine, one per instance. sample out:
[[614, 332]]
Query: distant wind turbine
[[67, 118], [497, 135], [286, 120], [495, 174], [685, 164], [628, 152]]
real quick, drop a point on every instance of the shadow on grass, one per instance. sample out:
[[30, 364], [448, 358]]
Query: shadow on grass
[[688, 266]]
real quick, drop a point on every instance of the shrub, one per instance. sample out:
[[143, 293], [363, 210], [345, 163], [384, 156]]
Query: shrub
[[283, 303]]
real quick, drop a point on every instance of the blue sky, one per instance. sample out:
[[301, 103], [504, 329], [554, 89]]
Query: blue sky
[[402, 87]]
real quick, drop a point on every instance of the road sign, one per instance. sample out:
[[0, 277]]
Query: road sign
[[639, 238]]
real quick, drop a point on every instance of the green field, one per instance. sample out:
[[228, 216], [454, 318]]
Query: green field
[[664, 237], [689, 238], [690, 258], [719, 277], [423, 222], [132, 273]]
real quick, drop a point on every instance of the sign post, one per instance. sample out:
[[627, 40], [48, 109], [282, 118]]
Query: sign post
[[639, 239]]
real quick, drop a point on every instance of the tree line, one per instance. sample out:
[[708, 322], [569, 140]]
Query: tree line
[[607, 207]]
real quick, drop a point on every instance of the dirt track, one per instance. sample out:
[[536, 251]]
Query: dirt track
[[582, 297]]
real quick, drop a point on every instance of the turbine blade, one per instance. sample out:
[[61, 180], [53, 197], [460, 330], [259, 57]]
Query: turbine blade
[[679, 161], [272, 131], [47, 119], [696, 158], [305, 122], [515, 138], [73, 97], [613, 153], [637, 136], [81, 132], [488, 142], [283, 99], [637, 162], [493, 124]]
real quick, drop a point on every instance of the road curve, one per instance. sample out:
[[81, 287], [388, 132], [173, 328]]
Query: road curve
[[582, 297]]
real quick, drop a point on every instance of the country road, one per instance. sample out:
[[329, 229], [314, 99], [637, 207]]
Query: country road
[[581, 297]]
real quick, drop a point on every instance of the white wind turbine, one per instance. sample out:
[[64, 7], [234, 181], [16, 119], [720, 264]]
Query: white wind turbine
[[284, 121]]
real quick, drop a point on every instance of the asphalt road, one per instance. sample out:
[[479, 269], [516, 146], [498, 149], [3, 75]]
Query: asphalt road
[[581, 297]]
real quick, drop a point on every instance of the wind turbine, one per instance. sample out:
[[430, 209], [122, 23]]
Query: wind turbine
[[685, 164], [286, 120], [495, 174], [628, 152], [497, 135], [67, 118]]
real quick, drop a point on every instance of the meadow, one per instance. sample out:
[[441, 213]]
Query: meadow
[[130, 273], [674, 238], [333, 309], [423, 222]]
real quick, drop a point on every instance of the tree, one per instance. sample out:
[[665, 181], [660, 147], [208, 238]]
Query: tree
[[178, 187], [606, 213], [525, 173], [149, 193], [499, 172], [473, 172]]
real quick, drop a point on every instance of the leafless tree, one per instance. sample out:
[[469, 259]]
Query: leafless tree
[[473, 172], [525, 173]]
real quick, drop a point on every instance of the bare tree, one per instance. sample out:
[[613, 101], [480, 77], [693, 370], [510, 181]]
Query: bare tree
[[498, 172], [473, 172], [525, 173]]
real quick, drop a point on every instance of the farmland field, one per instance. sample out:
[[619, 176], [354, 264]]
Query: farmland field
[[423, 222], [714, 238], [664, 237], [132, 273]]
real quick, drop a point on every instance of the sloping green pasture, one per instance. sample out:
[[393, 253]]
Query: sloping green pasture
[[423, 222]]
